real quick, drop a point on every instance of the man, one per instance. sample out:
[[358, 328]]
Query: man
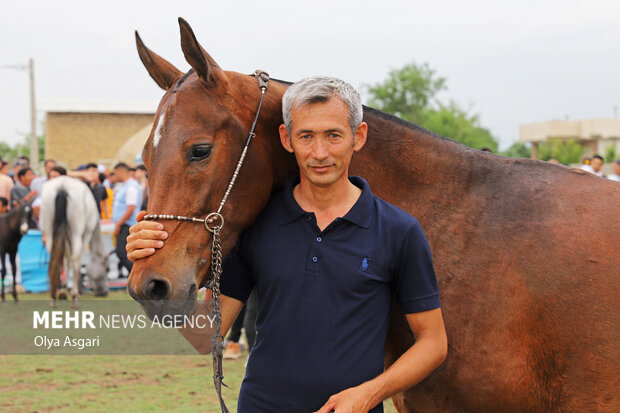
[[37, 183], [98, 190], [126, 204], [595, 166], [6, 183], [325, 256], [21, 190], [616, 168]]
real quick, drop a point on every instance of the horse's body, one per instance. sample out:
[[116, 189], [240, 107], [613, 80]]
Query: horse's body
[[13, 225], [70, 221], [524, 250]]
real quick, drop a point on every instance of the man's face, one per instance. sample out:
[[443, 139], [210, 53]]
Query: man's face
[[597, 164], [93, 175], [121, 174], [322, 141], [27, 178], [4, 208], [48, 167], [140, 174], [616, 168], [53, 174]]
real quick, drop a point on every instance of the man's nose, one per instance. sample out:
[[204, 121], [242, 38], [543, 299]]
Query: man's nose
[[319, 149]]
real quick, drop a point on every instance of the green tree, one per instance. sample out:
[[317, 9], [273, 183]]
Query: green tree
[[565, 151], [407, 92], [518, 150], [457, 124], [410, 93], [610, 154]]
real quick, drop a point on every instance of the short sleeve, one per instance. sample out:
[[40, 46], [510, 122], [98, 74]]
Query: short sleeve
[[414, 281], [236, 280], [104, 193], [131, 196]]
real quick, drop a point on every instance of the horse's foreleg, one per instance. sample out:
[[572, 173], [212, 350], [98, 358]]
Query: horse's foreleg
[[12, 258], [3, 272]]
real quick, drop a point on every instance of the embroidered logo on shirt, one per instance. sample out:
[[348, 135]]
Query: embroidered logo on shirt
[[364, 266]]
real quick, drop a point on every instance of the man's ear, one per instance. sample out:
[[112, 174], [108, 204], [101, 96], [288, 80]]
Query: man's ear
[[285, 139], [360, 136]]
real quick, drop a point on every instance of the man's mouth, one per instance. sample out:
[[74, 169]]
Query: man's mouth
[[320, 168]]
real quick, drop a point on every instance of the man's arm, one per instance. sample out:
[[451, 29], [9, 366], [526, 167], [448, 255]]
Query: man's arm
[[428, 352], [200, 338]]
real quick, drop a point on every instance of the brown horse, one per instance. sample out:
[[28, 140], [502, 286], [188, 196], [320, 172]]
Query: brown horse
[[525, 252], [13, 225]]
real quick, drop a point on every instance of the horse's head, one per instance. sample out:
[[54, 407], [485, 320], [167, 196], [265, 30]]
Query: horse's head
[[97, 272], [200, 129]]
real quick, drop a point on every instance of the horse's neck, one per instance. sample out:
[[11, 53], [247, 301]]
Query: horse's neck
[[13, 219], [96, 242]]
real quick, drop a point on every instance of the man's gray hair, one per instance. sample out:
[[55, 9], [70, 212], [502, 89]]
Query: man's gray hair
[[318, 89]]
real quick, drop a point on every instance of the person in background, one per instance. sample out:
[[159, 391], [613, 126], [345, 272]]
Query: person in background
[[4, 205], [98, 190], [37, 183], [6, 183], [597, 165], [125, 207], [107, 204], [616, 167], [143, 180], [4, 168], [593, 165], [21, 190]]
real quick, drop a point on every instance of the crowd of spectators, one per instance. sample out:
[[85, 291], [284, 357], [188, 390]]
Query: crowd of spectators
[[119, 193]]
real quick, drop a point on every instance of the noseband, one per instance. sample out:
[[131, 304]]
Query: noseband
[[213, 223]]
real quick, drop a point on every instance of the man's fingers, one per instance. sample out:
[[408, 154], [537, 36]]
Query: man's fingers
[[146, 225], [147, 234], [143, 243], [140, 215], [137, 254]]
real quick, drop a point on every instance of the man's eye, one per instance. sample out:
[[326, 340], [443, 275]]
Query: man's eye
[[199, 152], [334, 135]]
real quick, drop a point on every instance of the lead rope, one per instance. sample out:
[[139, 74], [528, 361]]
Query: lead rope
[[216, 251]]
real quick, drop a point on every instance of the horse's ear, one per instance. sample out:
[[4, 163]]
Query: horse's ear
[[197, 57], [163, 72]]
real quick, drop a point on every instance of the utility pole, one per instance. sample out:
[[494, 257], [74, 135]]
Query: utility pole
[[34, 143]]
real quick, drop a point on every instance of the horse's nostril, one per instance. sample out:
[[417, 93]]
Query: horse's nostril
[[157, 290]]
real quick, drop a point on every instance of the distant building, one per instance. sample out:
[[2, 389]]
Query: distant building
[[595, 135], [93, 133]]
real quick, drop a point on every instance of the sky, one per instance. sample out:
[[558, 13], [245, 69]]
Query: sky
[[509, 62]]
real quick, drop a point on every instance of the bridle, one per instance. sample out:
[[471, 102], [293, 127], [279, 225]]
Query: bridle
[[213, 223]]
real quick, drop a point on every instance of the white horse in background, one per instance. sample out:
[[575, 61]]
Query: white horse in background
[[69, 219]]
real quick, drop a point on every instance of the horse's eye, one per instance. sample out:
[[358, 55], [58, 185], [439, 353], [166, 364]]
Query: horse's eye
[[199, 152]]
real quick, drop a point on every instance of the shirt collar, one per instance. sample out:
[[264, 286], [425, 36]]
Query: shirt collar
[[360, 214]]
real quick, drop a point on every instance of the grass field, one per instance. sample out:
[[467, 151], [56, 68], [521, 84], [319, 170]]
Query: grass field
[[98, 383]]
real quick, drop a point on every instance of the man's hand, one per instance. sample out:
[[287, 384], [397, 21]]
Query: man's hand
[[144, 238], [30, 195], [353, 400]]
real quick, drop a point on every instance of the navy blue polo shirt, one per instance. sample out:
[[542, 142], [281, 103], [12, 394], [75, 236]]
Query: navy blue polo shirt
[[324, 296]]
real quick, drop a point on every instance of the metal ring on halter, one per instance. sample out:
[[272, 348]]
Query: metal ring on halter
[[212, 217]]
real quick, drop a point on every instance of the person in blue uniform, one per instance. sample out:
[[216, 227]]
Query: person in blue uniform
[[325, 257]]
